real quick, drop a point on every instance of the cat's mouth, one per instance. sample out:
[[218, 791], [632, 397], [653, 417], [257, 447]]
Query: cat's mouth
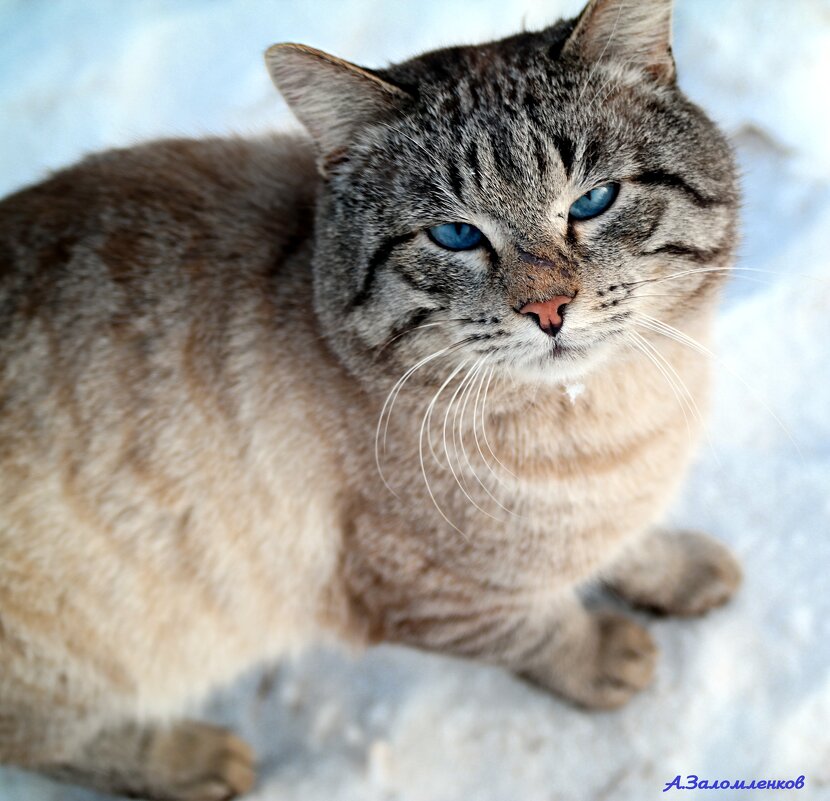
[[568, 361], [558, 351]]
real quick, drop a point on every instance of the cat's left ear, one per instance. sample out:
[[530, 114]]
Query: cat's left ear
[[331, 97], [631, 32]]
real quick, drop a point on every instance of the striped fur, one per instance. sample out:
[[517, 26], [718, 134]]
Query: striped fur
[[248, 403]]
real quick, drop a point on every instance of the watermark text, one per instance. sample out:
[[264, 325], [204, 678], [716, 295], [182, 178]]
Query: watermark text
[[693, 782]]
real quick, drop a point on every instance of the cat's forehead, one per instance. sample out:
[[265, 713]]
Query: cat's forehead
[[515, 103], [492, 67], [504, 127]]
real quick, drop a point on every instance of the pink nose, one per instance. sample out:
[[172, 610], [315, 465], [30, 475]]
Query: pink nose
[[548, 313]]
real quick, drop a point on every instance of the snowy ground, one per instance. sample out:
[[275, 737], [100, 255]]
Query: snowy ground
[[744, 693]]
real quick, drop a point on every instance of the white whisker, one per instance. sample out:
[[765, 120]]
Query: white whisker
[[484, 427], [659, 327], [478, 446], [691, 403], [424, 424], [409, 331], [389, 403], [697, 270], [469, 383], [455, 394], [640, 343], [484, 459]]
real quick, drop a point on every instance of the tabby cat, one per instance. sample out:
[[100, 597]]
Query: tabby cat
[[421, 377]]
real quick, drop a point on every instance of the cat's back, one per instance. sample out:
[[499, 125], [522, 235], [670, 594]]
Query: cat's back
[[181, 209], [154, 319], [118, 260]]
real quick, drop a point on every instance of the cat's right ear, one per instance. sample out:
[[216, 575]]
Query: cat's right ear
[[331, 97]]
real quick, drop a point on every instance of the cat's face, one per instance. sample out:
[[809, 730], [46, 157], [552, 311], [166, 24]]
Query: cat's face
[[532, 203]]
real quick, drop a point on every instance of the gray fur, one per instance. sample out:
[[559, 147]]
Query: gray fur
[[506, 136], [195, 369]]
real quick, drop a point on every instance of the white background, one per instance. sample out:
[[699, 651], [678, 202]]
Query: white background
[[744, 693]]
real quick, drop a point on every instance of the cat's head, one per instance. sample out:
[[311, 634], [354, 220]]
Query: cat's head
[[530, 202]]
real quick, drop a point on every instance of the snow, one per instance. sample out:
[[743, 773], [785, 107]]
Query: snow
[[741, 694]]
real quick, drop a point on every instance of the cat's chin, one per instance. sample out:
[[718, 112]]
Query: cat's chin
[[562, 366]]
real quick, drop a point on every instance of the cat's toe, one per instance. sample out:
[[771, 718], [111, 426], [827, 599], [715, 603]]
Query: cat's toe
[[207, 763], [681, 573], [711, 577], [626, 661], [613, 660]]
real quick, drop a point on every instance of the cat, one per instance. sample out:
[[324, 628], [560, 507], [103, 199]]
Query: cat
[[420, 374]]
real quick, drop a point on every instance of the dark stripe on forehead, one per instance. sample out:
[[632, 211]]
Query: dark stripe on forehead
[[379, 257], [455, 179], [501, 147], [566, 152], [673, 181], [451, 109], [530, 103], [541, 154], [471, 157], [591, 156]]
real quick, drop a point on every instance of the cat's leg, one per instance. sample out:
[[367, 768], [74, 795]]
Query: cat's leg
[[676, 573], [402, 593], [594, 659], [184, 762]]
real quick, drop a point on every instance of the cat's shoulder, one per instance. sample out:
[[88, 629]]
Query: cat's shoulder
[[185, 182]]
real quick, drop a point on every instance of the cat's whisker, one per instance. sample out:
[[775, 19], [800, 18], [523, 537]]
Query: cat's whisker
[[670, 296], [459, 408], [480, 416], [669, 331], [464, 452], [392, 393], [398, 388], [455, 394], [640, 344], [684, 273], [389, 403], [411, 331], [424, 423], [458, 424], [484, 426], [690, 400], [466, 382], [735, 270]]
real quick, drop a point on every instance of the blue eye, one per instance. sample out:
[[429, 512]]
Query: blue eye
[[456, 236], [595, 202]]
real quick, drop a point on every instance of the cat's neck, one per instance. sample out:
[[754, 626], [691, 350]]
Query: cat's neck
[[612, 405]]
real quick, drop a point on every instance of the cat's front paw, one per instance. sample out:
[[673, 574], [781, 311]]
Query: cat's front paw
[[625, 663], [188, 761], [198, 762], [682, 573], [614, 661], [711, 579]]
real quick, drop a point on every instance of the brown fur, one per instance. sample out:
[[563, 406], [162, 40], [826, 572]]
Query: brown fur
[[115, 500], [188, 477]]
